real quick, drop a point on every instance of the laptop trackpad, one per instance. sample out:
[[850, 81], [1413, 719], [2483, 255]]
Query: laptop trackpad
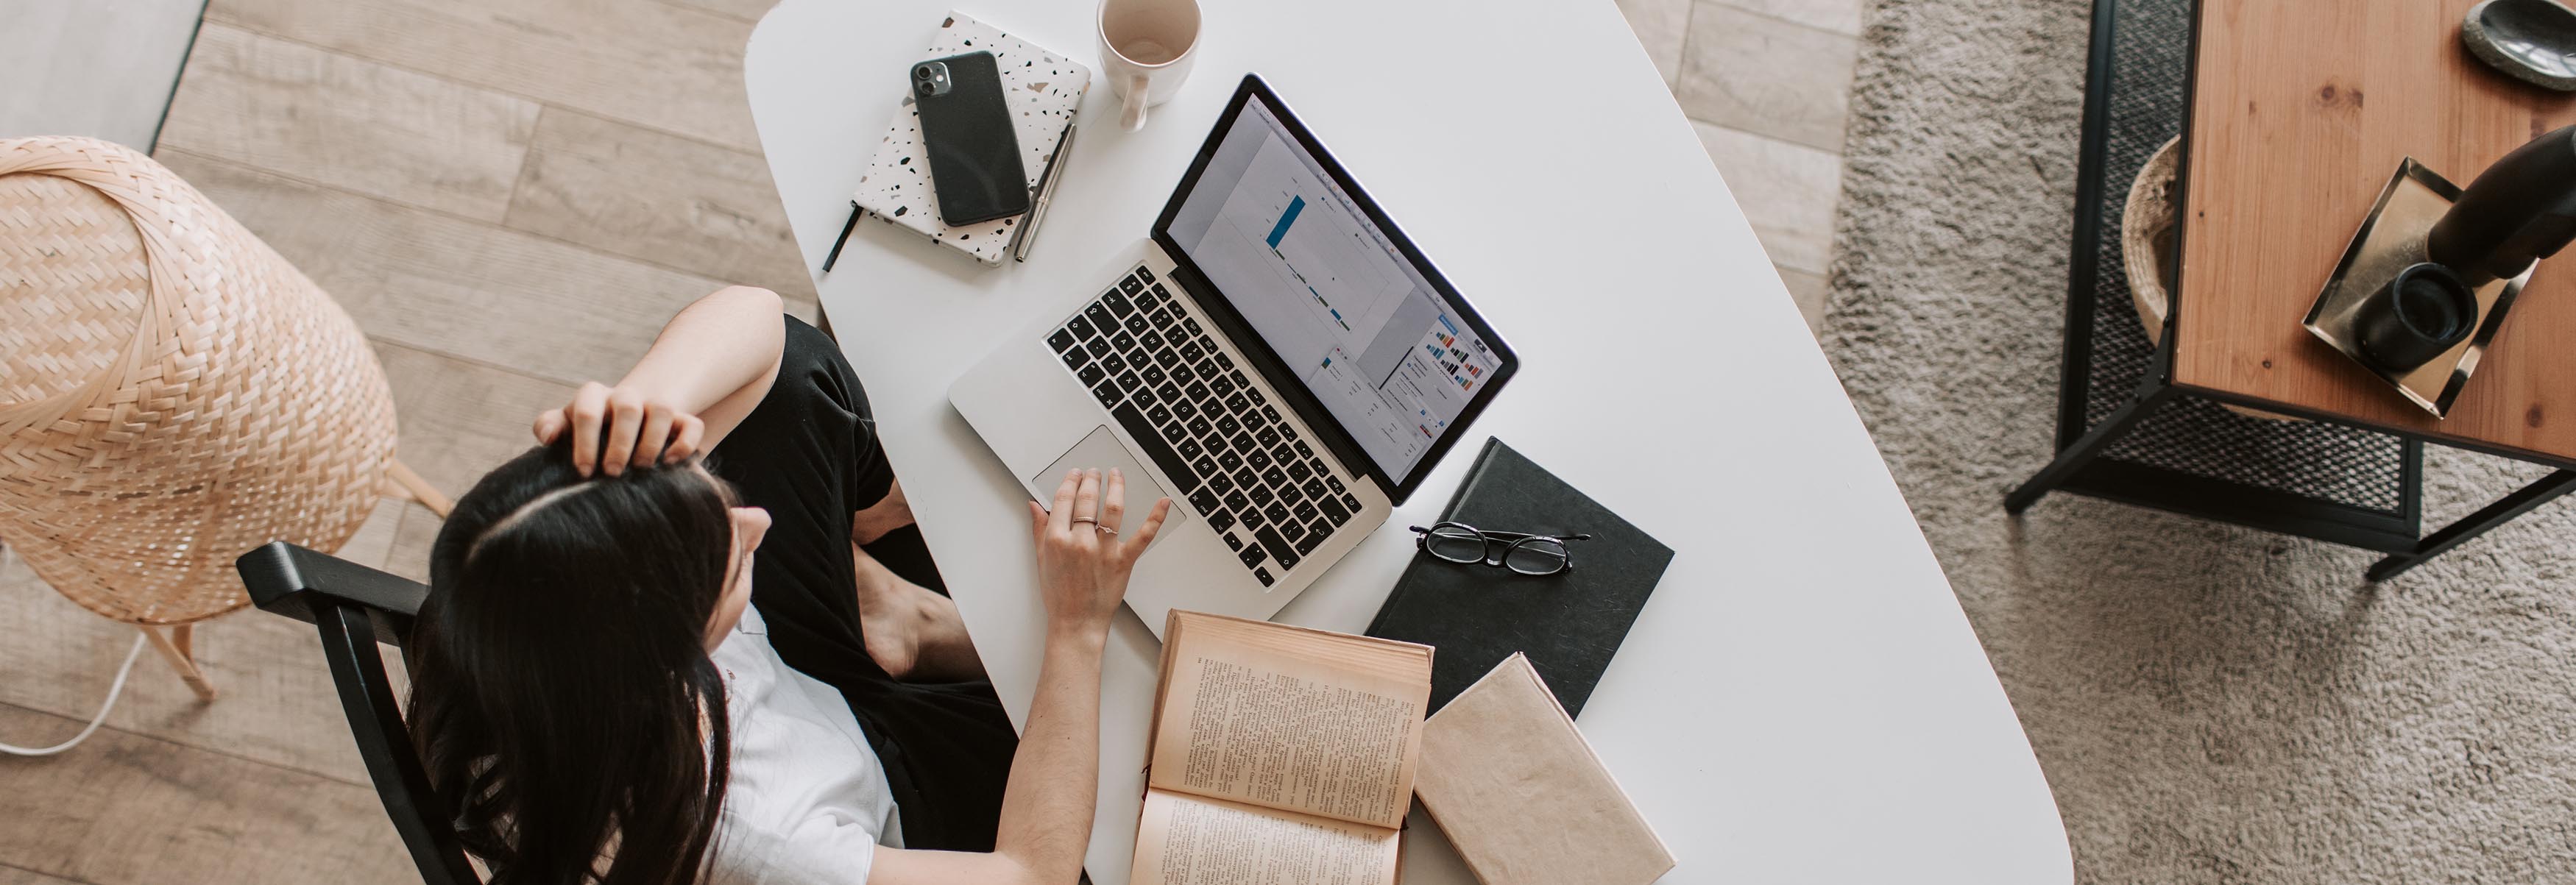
[[1103, 450]]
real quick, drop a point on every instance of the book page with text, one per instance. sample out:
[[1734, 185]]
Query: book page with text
[[1284, 730], [1188, 840]]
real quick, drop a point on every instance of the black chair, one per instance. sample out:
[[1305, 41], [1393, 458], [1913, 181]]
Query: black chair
[[355, 608]]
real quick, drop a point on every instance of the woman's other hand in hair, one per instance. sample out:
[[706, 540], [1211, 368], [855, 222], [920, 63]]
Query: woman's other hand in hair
[[1086, 548], [614, 428], [712, 364]]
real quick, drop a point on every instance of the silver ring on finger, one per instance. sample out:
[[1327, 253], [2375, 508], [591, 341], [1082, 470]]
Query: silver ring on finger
[[1104, 529], [1094, 522]]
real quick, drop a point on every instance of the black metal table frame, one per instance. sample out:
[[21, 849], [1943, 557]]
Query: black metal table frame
[[2075, 468]]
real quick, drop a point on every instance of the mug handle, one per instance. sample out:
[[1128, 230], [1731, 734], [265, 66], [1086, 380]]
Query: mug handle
[[1131, 115]]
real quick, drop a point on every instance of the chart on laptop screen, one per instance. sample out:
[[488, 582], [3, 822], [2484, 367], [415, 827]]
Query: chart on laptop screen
[[1329, 294]]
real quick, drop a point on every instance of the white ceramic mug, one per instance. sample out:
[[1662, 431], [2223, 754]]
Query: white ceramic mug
[[1147, 46]]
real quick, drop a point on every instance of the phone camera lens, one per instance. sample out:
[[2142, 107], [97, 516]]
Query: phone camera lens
[[923, 73]]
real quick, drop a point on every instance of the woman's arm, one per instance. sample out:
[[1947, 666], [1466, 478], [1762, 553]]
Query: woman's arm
[[1055, 777], [1046, 808], [710, 366]]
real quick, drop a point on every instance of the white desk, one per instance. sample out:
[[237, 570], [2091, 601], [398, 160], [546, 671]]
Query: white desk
[[1802, 701]]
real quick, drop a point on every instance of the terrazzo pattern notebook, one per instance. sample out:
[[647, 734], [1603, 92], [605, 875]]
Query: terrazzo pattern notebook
[[1043, 90]]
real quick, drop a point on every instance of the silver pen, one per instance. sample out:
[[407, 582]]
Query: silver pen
[[1046, 193]]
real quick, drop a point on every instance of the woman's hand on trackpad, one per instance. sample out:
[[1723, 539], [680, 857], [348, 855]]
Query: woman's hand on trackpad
[[1086, 548]]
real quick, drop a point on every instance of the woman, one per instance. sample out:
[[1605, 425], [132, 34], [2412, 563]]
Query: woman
[[637, 666]]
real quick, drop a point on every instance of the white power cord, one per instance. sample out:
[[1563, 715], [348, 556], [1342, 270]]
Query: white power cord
[[113, 691]]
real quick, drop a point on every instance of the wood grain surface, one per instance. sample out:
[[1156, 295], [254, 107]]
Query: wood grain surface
[[350, 123], [489, 294], [1756, 73], [712, 211], [277, 705], [668, 67], [2301, 111], [125, 808], [14, 876]]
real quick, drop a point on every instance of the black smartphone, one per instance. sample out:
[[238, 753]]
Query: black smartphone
[[966, 126]]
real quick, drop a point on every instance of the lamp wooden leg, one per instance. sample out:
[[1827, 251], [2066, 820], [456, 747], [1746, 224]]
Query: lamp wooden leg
[[176, 647], [420, 490]]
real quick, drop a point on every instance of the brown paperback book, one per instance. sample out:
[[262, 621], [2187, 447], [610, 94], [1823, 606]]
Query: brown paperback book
[[1279, 754], [1509, 779]]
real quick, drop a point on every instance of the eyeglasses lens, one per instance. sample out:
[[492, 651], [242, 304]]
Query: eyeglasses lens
[[1455, 544], [1536, 556]]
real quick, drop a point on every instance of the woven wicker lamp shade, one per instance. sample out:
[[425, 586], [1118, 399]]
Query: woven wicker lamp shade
[[173, 393]]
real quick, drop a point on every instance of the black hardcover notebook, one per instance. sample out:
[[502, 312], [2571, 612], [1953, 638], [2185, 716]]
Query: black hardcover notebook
[[1568, 623]]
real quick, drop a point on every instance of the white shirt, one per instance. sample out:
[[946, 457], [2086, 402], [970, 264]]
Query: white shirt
[[808, 802]]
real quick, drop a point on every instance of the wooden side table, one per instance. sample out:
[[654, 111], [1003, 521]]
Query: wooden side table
[[2293, 113]]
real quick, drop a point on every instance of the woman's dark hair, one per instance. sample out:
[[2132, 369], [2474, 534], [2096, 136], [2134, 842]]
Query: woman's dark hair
[[562, 699]]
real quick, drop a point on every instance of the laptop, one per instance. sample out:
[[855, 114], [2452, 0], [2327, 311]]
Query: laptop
[[1282, 363]]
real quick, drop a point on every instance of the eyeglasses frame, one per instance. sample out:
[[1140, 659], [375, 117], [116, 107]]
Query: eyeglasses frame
[[1509, 540]]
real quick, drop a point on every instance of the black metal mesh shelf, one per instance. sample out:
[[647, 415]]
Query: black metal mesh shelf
[[2190, 448]]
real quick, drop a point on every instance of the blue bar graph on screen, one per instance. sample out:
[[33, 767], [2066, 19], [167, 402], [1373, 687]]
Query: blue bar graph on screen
[[1280, 231]]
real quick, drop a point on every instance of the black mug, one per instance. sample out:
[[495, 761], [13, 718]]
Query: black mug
[[2416, 317]]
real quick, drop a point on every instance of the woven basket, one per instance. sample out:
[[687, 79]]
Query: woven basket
[[172, 392]]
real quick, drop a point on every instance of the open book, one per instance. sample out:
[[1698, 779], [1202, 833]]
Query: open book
[[1279, 754]]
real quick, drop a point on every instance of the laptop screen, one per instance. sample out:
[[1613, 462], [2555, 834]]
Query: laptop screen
[[1394, 358]]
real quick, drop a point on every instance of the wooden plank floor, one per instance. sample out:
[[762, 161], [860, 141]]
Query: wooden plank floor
[[510, 198]]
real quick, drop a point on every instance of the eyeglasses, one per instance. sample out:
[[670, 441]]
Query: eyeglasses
[[1522, 553]]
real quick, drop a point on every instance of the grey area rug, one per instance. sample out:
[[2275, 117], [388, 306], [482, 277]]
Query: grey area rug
[[2210, 704]]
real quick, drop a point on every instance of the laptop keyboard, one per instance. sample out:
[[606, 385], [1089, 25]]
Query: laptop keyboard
[[1190, 408]]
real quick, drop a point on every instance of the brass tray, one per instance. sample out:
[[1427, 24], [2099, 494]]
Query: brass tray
[[2391, 238]]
